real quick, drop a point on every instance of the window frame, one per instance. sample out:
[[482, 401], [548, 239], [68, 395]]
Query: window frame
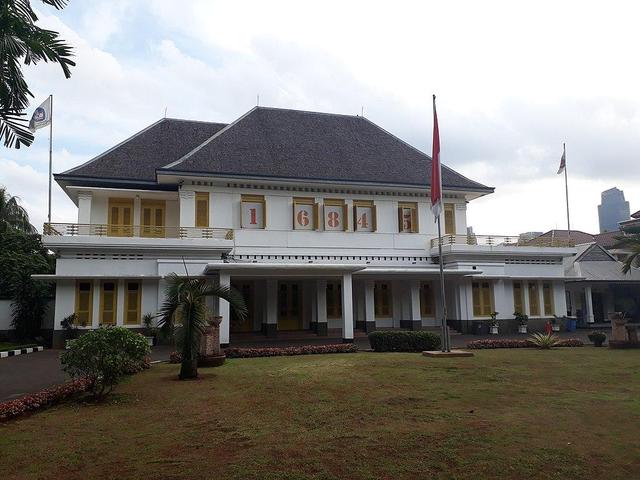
[[153, 231], [126, 302], [335, 202], [547, 287], [120, 229], [115, 301], [254, 199], [378, 303], [202, 196], [89, 322], [415, 226], [450, 208], [522, 308], [535, 297], [374, 216], [430, 295], [480, 309], [314, 218], [334, 300]]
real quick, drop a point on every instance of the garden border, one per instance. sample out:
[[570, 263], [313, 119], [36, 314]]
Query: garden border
[[20, 351]]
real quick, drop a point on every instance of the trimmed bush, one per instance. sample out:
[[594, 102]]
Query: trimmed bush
[[104, 356], [514, 343], [394, 341], [42, 399], [287, 351]]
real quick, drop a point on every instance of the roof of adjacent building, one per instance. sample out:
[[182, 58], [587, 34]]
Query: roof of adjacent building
[[593, 263], [575, 237], [607, 239], [273, 143], [138, 157]]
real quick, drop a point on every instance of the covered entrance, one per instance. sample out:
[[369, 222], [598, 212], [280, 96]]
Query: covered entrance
[[289, 306]]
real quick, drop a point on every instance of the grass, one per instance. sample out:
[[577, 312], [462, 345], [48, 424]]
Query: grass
[[504, 414]]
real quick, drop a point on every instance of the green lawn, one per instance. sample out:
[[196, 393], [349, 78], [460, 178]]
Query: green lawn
[[570, 413]]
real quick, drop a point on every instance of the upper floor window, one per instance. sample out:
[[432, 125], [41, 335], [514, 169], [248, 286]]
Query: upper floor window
[[449, 219], [305, 214], [120, 217], [253, 211], [335, 215], [152, 221], [202, 209], [408, 217], [482, 299], [364, 214]]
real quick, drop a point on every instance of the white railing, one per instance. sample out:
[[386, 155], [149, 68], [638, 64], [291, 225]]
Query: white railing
[[102, 230], [501, 240]]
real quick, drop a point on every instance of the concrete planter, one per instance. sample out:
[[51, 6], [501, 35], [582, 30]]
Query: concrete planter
[[151, 341], [493, 329], [522, 329]]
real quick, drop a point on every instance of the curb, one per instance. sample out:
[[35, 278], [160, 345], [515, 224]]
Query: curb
[[21, 351]]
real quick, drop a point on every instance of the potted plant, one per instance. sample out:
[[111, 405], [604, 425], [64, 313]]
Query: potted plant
[[522, 321], [597, 338], [71, 332], [149, 328], [493, 327], [555, 325]]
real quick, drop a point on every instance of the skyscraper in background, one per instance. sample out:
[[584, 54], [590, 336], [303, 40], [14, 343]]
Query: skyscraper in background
[[613, 209]]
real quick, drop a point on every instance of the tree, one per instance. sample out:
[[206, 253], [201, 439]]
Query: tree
[[12, 215], [21, 41], [630, 242], [22, 255], [185, 298]]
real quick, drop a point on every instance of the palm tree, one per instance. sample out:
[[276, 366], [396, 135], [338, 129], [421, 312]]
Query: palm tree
[[12, 215], [21, 41], [630, 242], [186, 298]]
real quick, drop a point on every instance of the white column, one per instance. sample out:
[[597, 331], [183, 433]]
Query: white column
[[321, 307], [187, 208], [369, 306], [270, 328], [541, 299], [347, 308], [525, 296], [588, 305], [225, 280], [84, 208], [414, 310], [503, 299]]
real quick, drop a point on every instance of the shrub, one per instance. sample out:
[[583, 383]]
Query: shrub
[[544, 340], [104, 356], [498, 343], [394, 341], [287, 351], [42, 399], [570, 342]]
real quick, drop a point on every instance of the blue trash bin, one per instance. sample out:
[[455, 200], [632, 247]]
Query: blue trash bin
[[571, 324]]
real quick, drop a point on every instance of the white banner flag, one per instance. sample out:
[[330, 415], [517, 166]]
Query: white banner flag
[[41, 116]]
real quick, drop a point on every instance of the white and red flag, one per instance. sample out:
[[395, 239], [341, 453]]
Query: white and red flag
[[436, 170], [563, 160]]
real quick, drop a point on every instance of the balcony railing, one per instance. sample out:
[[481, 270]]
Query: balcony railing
[[501, 240], [102, 230]]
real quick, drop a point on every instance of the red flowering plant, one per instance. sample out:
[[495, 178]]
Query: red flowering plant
[[287, 351]]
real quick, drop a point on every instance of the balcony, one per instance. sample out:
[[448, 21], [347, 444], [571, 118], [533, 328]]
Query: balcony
[[501, 241], [137, 231]]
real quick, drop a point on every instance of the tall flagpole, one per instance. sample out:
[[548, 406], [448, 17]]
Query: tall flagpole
[[566, 187], [446, 341], [50, 152]]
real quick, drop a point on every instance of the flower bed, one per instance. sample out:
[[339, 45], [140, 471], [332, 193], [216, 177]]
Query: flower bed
[[394, 341], [287, 351], [515, 343], [42, 399]]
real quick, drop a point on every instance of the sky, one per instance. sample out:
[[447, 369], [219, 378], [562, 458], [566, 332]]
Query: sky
[[514, 80]]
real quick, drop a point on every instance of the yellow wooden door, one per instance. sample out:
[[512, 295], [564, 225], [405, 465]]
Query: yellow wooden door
[[247, 292], [289, 306], [152, 218], [108, 299], [120, 217]]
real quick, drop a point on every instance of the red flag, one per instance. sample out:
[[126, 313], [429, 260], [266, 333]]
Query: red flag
[[563, 160], [436, 170]]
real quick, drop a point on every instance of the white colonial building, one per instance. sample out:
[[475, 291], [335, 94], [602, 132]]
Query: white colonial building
[[322, 221]]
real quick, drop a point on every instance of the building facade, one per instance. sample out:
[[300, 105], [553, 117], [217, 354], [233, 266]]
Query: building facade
[[321, 221], [612, 210]]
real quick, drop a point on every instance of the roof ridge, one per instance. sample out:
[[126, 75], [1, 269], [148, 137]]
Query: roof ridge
[[206, 142], [126, 140], [313, 112], [193, 121]]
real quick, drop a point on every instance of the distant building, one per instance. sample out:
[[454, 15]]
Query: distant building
[[633, 222], [526, 236], [612, 210]]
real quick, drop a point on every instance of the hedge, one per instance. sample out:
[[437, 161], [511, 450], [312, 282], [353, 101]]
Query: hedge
[[287, 351], [394, 341], [515, 343]]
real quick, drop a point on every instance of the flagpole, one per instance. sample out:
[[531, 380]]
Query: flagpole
[[446, 341], [50, 152], [566, 187]]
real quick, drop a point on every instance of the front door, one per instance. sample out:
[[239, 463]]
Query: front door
[[289, 306], [152, 221], [246, 290], [598, 306]]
